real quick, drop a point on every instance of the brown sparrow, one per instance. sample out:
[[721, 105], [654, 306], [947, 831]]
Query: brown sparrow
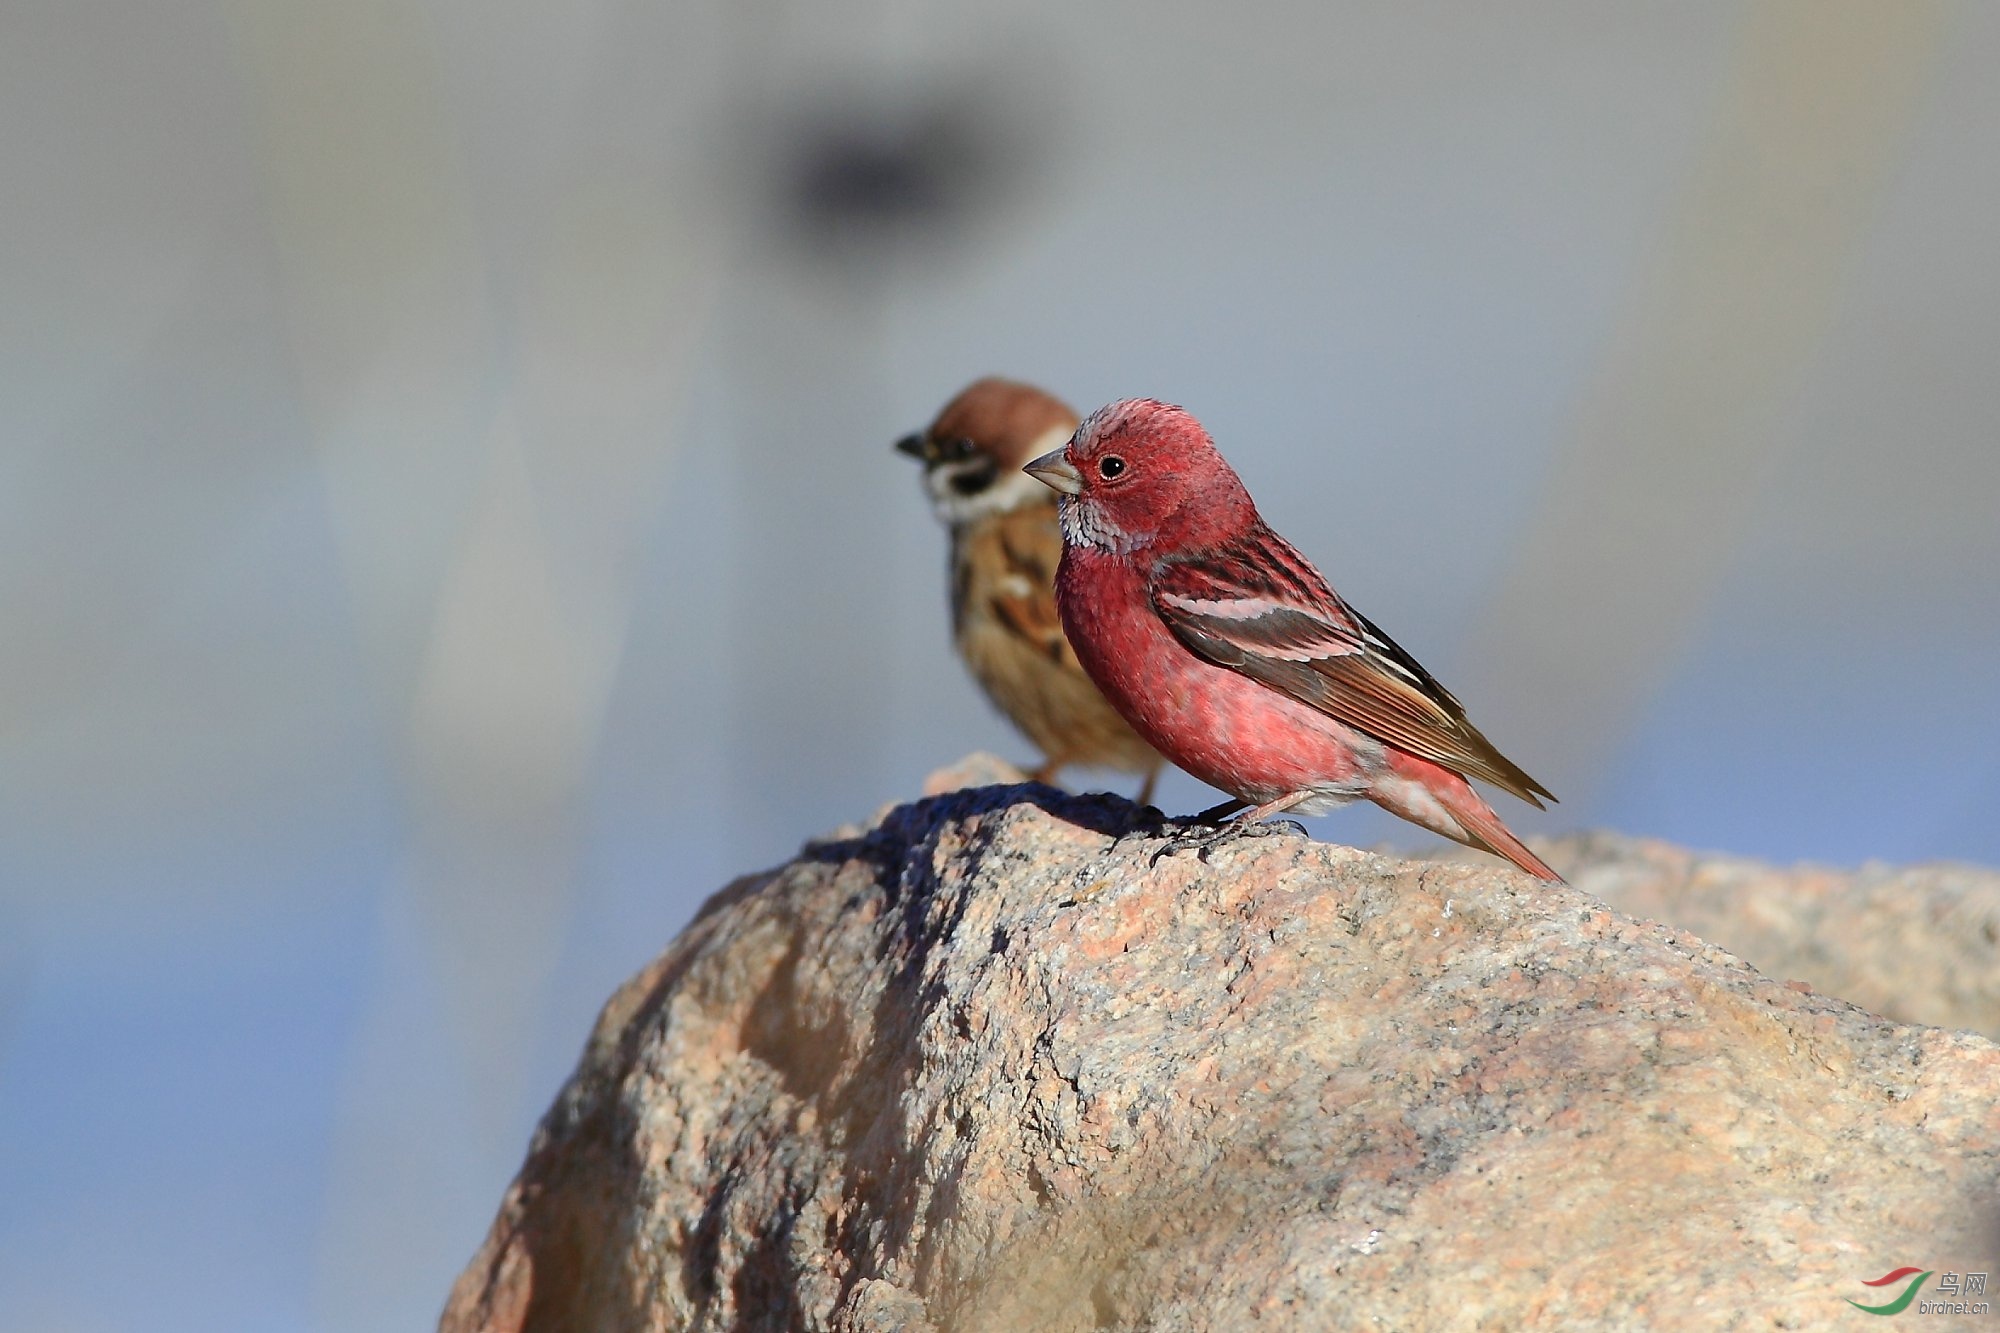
[[1005, 545]]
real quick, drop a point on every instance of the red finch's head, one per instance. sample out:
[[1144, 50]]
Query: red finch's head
[[972, 453], [1143, 473]]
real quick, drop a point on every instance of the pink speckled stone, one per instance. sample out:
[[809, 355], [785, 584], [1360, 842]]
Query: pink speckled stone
[[986, 1065]]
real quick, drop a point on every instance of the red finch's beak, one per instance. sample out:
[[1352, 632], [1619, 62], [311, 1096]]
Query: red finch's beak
[[1054, 471]]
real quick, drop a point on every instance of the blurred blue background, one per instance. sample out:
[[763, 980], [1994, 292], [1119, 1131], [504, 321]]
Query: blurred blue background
[[448, 525]]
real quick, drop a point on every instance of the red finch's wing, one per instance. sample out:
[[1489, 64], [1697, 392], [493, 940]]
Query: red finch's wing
[[1259, 607]]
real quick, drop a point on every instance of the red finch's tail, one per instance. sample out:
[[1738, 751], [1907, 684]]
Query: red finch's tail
[[1421, 792], [1489, 834]]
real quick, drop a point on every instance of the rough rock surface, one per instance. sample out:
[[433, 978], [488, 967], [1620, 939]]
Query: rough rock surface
[[1006, 1059], [1917, 943]]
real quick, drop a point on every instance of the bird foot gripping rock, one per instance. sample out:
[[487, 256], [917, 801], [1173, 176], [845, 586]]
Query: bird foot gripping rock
[[1203, 839]]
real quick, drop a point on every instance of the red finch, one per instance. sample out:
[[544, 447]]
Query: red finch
[[1005, 544], [1236, 659]]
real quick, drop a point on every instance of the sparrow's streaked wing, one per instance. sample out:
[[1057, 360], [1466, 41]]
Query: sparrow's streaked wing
[[1026, 546]]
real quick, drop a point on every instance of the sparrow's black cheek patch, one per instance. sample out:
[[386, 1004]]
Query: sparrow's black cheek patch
[[972, 481]]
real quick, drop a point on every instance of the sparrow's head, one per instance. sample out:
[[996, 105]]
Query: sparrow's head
[[1142, 473], [972, 454]]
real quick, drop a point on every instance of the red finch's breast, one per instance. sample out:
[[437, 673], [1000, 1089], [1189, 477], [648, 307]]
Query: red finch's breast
[[1222, 727]]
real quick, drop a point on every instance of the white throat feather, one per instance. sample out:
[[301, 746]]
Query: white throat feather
[[1084, 524]]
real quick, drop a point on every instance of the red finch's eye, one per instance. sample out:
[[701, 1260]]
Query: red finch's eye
[[1110, 467]]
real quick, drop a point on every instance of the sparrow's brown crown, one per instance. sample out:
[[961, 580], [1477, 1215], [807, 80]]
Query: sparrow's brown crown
[[1003, 418]]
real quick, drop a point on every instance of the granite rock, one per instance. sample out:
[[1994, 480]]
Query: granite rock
[[1011, 1059], [1915, 943]]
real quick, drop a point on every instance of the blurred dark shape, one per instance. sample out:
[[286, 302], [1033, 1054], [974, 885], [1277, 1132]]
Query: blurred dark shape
[[861, 168]]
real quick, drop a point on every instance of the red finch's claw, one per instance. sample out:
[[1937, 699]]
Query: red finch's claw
[[1205, 840]]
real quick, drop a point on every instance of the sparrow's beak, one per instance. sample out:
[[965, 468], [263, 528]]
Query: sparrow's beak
[[913, 445], [1053, 470]]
